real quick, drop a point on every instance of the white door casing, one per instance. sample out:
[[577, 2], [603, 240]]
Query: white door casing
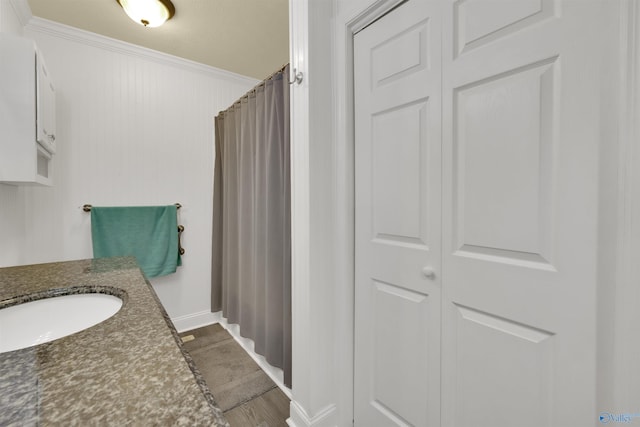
[[491, 103]]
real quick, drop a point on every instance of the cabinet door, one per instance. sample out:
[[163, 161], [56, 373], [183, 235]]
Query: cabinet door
[[46, 111]]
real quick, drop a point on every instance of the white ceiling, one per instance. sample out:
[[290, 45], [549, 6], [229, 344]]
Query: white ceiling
[[248, 37]]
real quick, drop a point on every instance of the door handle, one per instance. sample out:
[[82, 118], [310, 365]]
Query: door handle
[[429, 273]]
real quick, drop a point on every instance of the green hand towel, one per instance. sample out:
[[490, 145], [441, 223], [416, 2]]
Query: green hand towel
[[150, 233]]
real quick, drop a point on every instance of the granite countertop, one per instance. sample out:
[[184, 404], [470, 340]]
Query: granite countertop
[[130, 369]]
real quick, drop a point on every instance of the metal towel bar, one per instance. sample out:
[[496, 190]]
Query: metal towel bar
[[87, 208]]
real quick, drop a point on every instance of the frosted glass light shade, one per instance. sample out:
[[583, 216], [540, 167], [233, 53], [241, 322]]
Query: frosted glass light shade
[[150, 13]]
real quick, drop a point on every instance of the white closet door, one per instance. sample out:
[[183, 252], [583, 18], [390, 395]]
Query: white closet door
[[477, 138], [398, 226], [520, 147]]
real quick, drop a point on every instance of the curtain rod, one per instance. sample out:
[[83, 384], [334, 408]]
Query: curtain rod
[[279, 70], [256, 87], [263, 82]]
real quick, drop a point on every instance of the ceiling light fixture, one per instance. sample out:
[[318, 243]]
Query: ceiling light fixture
[[150, 13]]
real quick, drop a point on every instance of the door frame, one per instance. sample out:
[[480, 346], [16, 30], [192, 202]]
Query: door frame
[[343, 171], [622, 368]]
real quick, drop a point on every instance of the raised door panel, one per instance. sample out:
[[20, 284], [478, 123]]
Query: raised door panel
[[477, 22], [503, 168], [504, 372], [390, 380], [399, 175], [400, 55]]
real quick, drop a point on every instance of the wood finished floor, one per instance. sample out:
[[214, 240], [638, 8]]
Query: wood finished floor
[[246, 395]]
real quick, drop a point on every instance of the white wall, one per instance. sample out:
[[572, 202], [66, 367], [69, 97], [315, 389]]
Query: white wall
[[134, 127], [12, 225], [12, 198], [12, 13]]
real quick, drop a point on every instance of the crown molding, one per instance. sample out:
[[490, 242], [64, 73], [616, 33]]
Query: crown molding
[[56, 29]]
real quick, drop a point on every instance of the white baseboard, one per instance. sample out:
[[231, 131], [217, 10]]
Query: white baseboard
[[205, 318], [276, 374], [298, 417], [195, 320]]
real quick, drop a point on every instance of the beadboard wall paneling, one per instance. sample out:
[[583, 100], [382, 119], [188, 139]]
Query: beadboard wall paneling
[[12, 225], [12, 200], [132, 129]]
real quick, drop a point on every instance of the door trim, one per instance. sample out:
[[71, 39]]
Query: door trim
[[343, 172], [624, 369]]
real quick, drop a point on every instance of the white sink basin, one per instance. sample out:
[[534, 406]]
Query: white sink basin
[[36, 322]]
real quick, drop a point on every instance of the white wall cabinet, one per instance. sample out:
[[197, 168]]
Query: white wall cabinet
[[27, 114]]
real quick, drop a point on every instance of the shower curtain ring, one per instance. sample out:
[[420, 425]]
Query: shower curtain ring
[[297, 77]]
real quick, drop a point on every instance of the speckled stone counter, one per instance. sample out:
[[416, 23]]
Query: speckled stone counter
[[128, 370]]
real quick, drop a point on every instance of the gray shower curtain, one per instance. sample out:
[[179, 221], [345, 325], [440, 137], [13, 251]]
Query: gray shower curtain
[[251, 265]]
